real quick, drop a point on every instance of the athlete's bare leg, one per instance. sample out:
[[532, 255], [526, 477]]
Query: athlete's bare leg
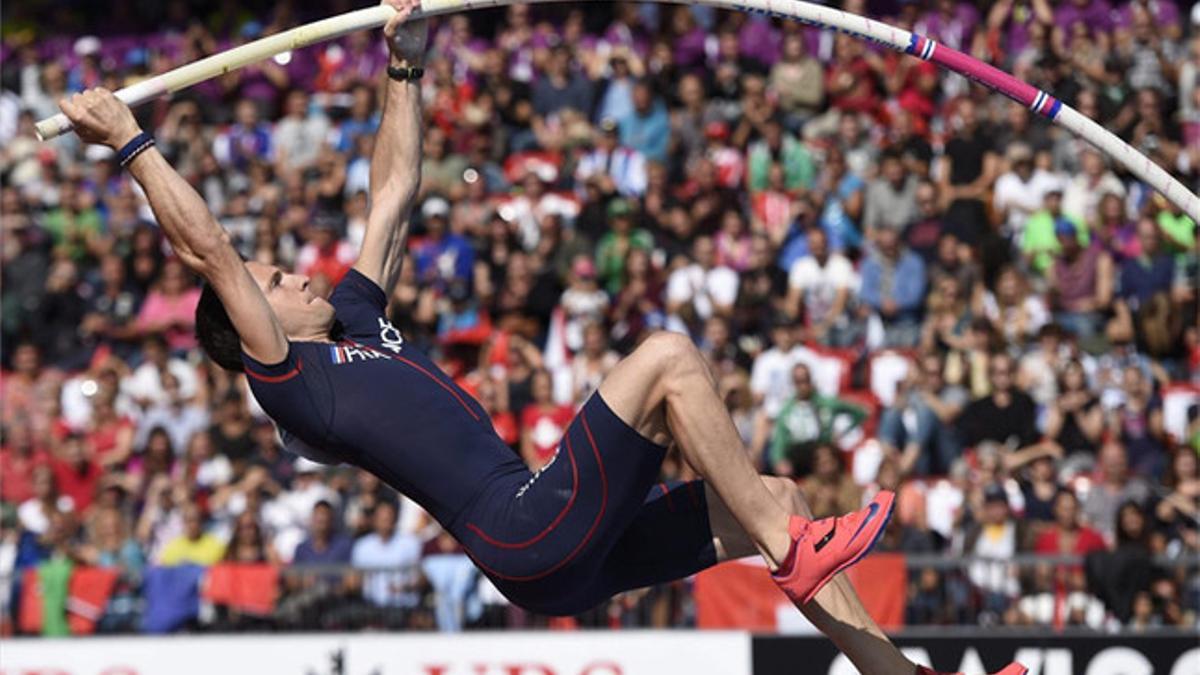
[[665, 391], [836, 611]]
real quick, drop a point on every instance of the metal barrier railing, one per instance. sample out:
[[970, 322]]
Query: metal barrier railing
[[942, 591]]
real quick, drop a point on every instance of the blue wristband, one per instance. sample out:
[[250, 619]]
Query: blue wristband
[[133, 148]]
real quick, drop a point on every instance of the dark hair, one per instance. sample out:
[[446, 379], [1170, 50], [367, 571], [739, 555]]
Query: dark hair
[[215, 332], [1066, 492], [155, 339], [1061, 377], [1127, 538], [386, 503], [158, 430]]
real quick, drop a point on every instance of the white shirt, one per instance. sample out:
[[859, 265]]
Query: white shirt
[[77, 403], [1021, 199], [528, 215], [415, 521], [358, 177], [214, 472], [179, 424], [582, 307], [1082, 199], [1033, 307], [717, 286], [996, 577], [288, 514], [301, 139], [8, 563], [402, 552], [10, 113], [34, 519], [294, 507], [943, 502], [771, 378], [626, 167], [820, 284], [145, 383]]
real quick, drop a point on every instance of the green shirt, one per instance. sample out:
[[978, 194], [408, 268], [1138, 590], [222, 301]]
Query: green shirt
[[1180, 231], [1041, 244], [72, 233], [810, 423], [610, 256], [54, 576], [798, 168]]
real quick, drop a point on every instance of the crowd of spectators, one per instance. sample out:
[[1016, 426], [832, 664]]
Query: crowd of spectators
[[900, 280]]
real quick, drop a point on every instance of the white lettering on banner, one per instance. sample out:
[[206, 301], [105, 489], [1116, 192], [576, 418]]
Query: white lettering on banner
[[599, 668], [1053, 661], [918, 655], [1188, 664], [971, 663], [1045, 661], [1120, 661], [510, 653]]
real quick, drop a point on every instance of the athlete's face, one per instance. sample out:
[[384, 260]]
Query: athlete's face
[[301, 312]]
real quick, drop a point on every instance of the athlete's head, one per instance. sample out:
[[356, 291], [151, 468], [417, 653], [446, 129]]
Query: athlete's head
[[301, 313]]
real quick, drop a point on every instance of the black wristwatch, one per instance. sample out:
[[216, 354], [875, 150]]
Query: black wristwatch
[[404, 74]]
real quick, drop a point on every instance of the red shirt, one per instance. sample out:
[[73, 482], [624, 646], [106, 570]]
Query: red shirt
[[103, 439], [505, 424], [16, 474], [546, 427], [861, 97], [773, 208], [1086, 541], [331, 262], [77, 482]]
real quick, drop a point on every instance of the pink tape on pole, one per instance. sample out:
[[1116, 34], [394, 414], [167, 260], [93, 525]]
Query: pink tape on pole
[[986, 74]]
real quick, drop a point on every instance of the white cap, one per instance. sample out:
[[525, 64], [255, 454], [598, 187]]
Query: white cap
[[1054, 183], [435, 207], [306, 465], [87, 45]]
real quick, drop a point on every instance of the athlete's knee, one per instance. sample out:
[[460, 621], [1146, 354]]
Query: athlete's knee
[[667, 347], [676, 358], [788, 493]]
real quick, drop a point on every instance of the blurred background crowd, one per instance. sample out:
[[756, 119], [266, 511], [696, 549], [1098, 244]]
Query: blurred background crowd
[[901, 282]]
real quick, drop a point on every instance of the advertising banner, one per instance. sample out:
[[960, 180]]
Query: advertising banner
[[525, 653], [578, 653], [1043, 655]]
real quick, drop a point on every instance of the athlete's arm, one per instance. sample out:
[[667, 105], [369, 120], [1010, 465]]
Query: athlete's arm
[[396, 160], [199, 241]]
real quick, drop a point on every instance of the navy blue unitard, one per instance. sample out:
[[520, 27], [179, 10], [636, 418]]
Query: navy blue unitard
[[592, 523]]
